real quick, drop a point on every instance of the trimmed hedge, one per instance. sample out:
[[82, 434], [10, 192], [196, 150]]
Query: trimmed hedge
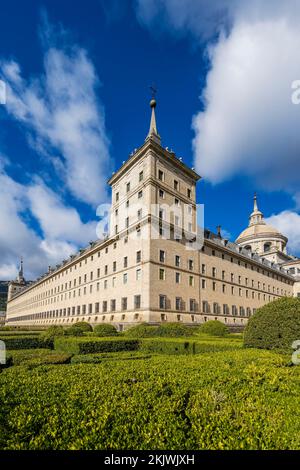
[[167, 346], [25, 342], [105, 330], [84, 326], [118, 356], [88, 345], [141, 331], [214, 328], [275, 325], [36, 357]]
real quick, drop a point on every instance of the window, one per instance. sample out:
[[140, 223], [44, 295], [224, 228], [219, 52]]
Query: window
[[223, 288], [124, 303], [141, 176], [203, 284], [125, 278], [178, 303], [91, 276], [215, 308], [177, 220], [104, 306], [214, 286], [177, 278], [162, 256], [177, 261], [98, 286], [127, 203], [140, 194], [138, 256], [114, 266], [189, 193], [137, 301], [214, 272], [223, 275], [90, 308], [98, 273], [160, 175], [117, 197], [105, 269], [161, 193], [203, 268], [139, 214], [191, 264], [125, 261], [176, 201], [128, 187], [127, 222], [105, 284], [191, 281], [192, 305], [162, 302], [83, 309], [176, 185], [113, 305], [138, 274], [162, 274]]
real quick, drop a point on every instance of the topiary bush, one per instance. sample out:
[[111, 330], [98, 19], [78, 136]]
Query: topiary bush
[[141, 331], [52, 332], [275, 325], [214, 328], [105, 330], [83, 326], [73, 331], [173, 330]]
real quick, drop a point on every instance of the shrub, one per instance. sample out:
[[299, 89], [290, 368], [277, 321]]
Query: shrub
[[275, 325], [141, 331], [73, 331], [105, 330], [89, 345], [25, 342], [167, 346], [214, 328], [114, 356], [36, 357], [52, 332], [83, 326], [173, 330]]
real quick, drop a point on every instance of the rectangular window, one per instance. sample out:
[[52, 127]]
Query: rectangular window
[[161, 193], [124, 303], [114, 281], [162, 274], [203, 284], [177, 261], [140, 194], [90, 308], [177, 278], [127, 187], [162, 302], [137, 301], [138, 274], [117, 197], [189, 193], [105, 284], [139, 214], [203, 268], [192, 305], [191, 264], [138, 256], [127, 222], [160, 175], [125, 261], [83, 309], [125, 278], [104, 306], [106, 269], [141, 176], [214, 286], [176, 201], [98, 272], [114, 266], [178, 303], [162, 256], [191, 281], [113, 305], [91, 276], [214, 272], [176, 185]]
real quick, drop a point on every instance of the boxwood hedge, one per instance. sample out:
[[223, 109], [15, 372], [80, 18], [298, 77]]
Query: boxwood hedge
[[25, 342], [87, 345]]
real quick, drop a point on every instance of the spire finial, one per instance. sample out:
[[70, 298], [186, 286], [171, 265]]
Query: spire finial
[[153, 134], [257, 216], [255, 208], [219, 231]]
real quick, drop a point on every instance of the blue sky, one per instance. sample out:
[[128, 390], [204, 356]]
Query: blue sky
[[78, 77]]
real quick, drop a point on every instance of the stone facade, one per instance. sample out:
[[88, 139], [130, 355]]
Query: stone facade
[[148, 269]]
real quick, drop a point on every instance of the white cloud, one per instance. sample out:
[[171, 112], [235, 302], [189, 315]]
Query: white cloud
[[64, 118], [249, 125], [62, 229], [288, 223]]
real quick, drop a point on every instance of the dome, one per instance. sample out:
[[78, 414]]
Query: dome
[[259, 230]]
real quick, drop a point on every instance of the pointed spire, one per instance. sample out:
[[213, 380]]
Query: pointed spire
[[20, 277], [257, 216], [153, 134]]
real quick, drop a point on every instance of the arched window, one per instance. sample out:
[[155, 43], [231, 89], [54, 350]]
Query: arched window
[[248, 247], [267, 247]]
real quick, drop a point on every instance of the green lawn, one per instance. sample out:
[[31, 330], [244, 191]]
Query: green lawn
[[230, 398]]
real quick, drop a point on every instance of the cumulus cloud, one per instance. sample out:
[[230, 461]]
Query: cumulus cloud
[[63, 117], [61, 229], [288, 223], [248, 124]]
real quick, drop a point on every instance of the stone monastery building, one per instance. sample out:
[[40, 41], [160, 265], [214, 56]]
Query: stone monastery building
[[155, 264]]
